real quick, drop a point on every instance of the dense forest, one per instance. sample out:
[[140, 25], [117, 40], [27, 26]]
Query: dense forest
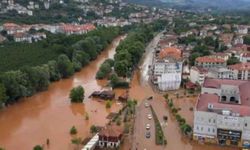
[[57, 57], [130, 51], [128, 54]]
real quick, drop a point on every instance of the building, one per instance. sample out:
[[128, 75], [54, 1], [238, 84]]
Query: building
[[242, 29], [167, 69], [69, 29], [210, 62], [222, 113], [198, 74], [245, 57], [240, 71], [110, 136], [220, 73]]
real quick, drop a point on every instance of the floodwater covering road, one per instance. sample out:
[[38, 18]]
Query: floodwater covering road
[[50, 114], [140, 89]]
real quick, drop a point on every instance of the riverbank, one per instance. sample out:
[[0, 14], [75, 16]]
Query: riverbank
[[50, 114]]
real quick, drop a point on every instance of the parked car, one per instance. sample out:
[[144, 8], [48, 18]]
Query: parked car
[[149, 116], [147, 134], [146, 105], [147, 126], [150, 98]]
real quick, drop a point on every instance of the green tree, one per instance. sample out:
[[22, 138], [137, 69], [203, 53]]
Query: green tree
[[65, 67], [108, 104], [16, 83], [73, 130], [77, 94], [38, 147], [54, 73], [121, 68], [233, 60], [3, 96], [93, 129]]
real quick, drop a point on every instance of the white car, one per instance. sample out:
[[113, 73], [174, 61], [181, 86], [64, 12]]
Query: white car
[[147, 126], [149, 116], [146, 105]]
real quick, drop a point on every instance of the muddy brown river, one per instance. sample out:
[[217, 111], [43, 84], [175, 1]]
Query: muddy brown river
[[50, 114]]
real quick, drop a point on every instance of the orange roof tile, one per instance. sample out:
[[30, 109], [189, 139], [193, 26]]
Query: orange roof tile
[[170, 52], [207, 59]]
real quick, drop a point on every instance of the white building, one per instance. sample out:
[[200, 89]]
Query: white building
[[240, 71], [169, 81], [167, 69], [242, 29], [198, 74], [245, 57], [222, 113]]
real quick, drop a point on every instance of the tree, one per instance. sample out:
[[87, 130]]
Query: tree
[[77, 94], [108, 104], [54, 73], [233, 60], [16, 83], [3, 96], [65, 67], [73, 130], [38, 147], [93, 129], [121, 68]]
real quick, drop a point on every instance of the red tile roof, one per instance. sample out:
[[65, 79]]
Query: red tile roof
[[240, 66], [111, 131], [205, 99], [170, 52], [209, 59]]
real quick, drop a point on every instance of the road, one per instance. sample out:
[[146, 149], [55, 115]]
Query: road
[[140, 142]]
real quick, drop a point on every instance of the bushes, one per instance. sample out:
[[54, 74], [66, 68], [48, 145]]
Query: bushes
[[38, 147], [108, 104], [73, 130], [77, 94]]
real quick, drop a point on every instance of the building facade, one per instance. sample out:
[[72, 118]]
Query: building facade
[[240, 71], [210, 62], [222, 113]]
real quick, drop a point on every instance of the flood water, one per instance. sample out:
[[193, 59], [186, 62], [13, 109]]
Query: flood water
[[50, 114]]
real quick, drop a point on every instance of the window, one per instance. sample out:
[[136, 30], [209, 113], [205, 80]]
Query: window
[[209, 120], [214, 120], [208, 129], [201, 128], [245, 124], [213, 130], [197, 127]]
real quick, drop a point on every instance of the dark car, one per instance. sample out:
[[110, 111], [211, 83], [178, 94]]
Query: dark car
[[148, 134]]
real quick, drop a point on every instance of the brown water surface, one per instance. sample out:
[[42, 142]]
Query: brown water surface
[[50, 114]]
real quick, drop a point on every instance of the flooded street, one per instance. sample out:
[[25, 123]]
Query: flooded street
[[50, 114]]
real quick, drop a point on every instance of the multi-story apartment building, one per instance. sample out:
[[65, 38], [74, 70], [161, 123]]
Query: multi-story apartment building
[[222, 113], [167, 69], [198, 74], [210, 62], [240, 71]]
